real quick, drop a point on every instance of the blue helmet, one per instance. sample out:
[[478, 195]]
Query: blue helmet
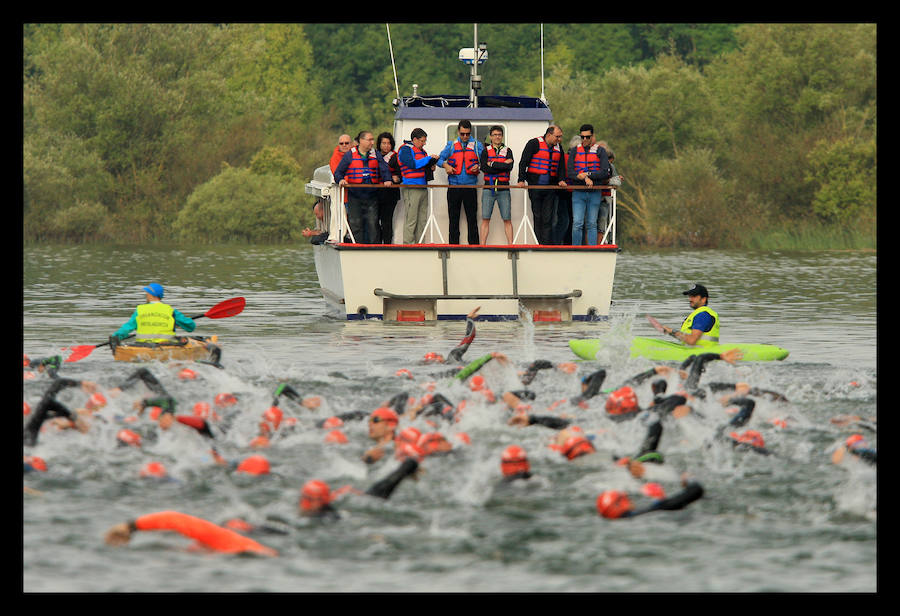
[[155, 290]]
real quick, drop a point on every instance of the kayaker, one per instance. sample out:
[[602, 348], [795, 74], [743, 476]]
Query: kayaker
[[154, 321], [701, 327]]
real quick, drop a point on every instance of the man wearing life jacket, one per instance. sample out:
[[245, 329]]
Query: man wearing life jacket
[[460, 159], [362, 167], [154, 320], [543, 163], [416, 168], [587, 165], [496, 161], [701, 327], [340, 149]]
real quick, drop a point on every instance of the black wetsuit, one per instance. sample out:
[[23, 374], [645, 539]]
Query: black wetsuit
[[50, 364], [691, 492], [49, 407]]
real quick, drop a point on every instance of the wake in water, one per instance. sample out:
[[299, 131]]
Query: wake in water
[[710, 441]]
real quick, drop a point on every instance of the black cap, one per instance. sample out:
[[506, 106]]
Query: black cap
[[697, 289]]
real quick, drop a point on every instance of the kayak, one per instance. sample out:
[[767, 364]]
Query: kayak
[[663, 350], [188, 348]]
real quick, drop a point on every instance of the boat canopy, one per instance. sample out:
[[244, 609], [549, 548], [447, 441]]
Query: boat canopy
[[458, 107]]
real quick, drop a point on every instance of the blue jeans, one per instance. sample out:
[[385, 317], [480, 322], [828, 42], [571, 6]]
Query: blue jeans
[[585, 208], [488, 197]]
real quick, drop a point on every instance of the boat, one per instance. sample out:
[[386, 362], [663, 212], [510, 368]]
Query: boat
[[664, 350], [433, 280], [192, 348]]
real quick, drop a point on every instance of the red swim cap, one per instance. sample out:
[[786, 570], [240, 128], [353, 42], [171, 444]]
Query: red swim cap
[[385, 414], [187, 374], [314, 495], [202, 410], [855, 440], [96, 401], [431, 356], [36, 463], [25, 361], [129, 437], [26, 408], [225, 399], [612, 504], [404, 372], [259, 442], [513, 461], [409, 435], [336, 436], [153, 469], [621, 401], [432, 442], [577, 446], [255, 465], [750, 437], [653, 490], [464, 437], [476, 383]]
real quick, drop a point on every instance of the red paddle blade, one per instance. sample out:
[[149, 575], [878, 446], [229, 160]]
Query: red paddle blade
[[80, 352], [228, 308]]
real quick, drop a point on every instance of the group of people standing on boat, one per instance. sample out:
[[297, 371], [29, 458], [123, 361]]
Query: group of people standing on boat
[[567, 206]]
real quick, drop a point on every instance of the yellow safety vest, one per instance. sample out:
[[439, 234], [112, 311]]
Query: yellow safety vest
[[155, 322], [706, 338]]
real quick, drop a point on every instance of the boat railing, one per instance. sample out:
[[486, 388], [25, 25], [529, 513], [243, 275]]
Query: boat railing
[[431, 226]]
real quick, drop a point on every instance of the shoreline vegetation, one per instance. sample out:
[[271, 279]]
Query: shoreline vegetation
[[753, 136]]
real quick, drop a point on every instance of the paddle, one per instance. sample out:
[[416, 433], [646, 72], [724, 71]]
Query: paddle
[[227, 308]]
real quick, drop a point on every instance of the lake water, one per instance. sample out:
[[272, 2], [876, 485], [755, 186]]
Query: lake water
[[791, 522]]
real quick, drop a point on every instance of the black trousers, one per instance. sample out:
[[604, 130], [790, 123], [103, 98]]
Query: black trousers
[[467, 198], [387, 201], [543, 206], [363, 218]]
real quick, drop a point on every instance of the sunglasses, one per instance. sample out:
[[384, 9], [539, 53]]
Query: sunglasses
[[585, 136], [343, 143], [462, 134]]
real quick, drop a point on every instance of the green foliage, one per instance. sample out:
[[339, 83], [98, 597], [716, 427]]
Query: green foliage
[[844, 175], [724, 133], [240, 205]]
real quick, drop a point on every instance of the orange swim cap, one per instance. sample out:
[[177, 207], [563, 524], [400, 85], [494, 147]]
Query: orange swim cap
[[129, 437], [333, 422], [621, 401], [259, 442], [314, 495], [404, 373], [431, 357], [225, 399], [96, 401], [405, 450], [613, 504], [855, 440], [409, 435], [255, 465], [336, 436], [274, 415], [464, 437], [384, 414], [187, 374], [25, 361], [513, 461], [26, 408], [155, 412], [153, 469]]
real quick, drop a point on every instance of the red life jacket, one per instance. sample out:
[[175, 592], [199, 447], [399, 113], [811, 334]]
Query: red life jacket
[[408, 173], [463, 157], [587, 161], [501, 177], [362, 170], [544, 159]]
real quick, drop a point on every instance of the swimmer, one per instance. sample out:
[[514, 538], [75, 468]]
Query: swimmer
[[456, 355], [857, 446], [206, 533], [50, 365], [614, 504], [49, 408]]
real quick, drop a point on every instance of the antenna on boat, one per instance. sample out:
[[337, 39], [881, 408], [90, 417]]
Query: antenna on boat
[[474, 55], [543, 98], [394, 66]]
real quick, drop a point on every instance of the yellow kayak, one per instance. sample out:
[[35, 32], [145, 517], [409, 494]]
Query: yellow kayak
[[186, 348]]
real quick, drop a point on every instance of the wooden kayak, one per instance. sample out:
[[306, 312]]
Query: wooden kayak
[[194, 348], [664, 350]]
